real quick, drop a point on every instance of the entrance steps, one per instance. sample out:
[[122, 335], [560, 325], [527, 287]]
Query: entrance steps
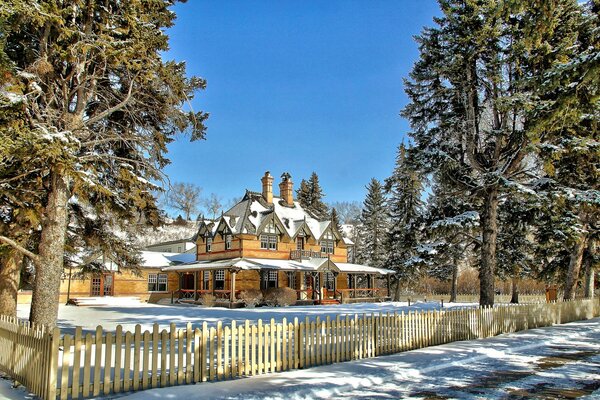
[[326, 302]]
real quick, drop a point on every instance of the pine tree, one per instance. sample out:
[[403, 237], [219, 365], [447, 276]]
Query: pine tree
[[567, 118], [515, 240], [310, 196], [373, 226], [468, 93], [104, 104], [335, 220], [451, 235], [406, 218]]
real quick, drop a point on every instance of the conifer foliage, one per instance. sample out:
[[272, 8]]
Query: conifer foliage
[[373, 226], [468, 93], [405, 218], [102, 104], [310, 195]]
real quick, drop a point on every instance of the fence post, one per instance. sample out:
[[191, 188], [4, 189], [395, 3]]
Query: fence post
[[52, 366]]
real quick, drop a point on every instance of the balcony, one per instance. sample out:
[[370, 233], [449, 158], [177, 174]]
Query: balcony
[[301, 254]]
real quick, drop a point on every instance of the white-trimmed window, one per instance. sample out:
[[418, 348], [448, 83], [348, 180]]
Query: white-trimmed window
[[327, 242], [270, 228], [329, 280], [208, 244], [206, 280], [227, 242], [220, 279], [291, 280], [157, 282], [268, 242]]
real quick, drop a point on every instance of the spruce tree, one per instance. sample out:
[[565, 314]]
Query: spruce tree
[[373, 226], [567, 118], [469, 92], [515, 240], [406, 220], [451, 235], [310, 195], [335, 220], [105, 104]]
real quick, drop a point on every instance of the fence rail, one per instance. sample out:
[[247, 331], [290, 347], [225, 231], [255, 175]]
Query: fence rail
[[78, 366]]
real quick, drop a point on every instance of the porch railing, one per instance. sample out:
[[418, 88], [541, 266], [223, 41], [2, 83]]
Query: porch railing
[[362, 293], [300, 254]]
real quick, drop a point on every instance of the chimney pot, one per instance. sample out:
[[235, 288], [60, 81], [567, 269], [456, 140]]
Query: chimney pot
[[267, 187], [286, 189]]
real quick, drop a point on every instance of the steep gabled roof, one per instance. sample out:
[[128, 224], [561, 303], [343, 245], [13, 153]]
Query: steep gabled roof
[[252, 213]]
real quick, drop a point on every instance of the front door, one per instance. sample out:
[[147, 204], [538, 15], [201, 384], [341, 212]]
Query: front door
[[102, 285]]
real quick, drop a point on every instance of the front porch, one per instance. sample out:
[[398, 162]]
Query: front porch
[[316, 281]]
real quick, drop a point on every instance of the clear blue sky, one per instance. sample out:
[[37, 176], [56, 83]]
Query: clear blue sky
[[296, 86]]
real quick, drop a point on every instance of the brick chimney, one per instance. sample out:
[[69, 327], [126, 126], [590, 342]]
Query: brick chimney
[[286, 189], [267, 187]]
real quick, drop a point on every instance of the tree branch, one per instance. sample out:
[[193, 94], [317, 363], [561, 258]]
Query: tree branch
[[111, 110], [34, 257]]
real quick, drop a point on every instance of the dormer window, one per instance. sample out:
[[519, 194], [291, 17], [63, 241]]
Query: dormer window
[[208, 244], [227, 242], [327, 243]]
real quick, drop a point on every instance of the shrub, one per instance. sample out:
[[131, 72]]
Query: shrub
[[284, 296], [208, 300], [251, 297]]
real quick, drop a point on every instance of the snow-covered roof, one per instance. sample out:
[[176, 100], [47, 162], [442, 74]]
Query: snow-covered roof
[[153, 259], [251, 214], [308, 265], [359, 268]]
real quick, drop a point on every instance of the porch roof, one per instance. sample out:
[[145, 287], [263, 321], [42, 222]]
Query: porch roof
[[307, 265], [364, 269]]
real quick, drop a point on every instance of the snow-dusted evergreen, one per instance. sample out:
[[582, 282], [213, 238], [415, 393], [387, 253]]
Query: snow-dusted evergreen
[[374, 223], [469, 92], [310, 196], [450, 236], [405, 208]]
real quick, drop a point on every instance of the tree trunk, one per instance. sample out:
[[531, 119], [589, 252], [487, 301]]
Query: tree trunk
[[489, 225], [397, 290], [590, 271], [46, 291], [514, 299], [10, 274], [574, 267], [454, 288]]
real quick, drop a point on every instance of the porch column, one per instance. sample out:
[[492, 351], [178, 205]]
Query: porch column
[[214, 280], [180, 283], [335, 276], [388, 285], [232, 274], [354, 285], [195, 285]]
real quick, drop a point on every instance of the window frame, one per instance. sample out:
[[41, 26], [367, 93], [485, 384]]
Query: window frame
[[268, 242], [158, 282], [228, 240], [208, 242]]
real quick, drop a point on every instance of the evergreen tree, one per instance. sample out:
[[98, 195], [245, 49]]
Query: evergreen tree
[[468, 93], [310, 195], [373, 226], [335, 220], [567, 118], [104, 105], [515, 241], [406, 219], [451, 235]]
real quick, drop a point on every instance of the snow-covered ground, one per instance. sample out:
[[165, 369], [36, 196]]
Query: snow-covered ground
[[556, 362], [128, 313]]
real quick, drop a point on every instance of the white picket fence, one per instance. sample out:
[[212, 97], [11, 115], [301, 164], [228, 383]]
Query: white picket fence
[[67, 366]]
